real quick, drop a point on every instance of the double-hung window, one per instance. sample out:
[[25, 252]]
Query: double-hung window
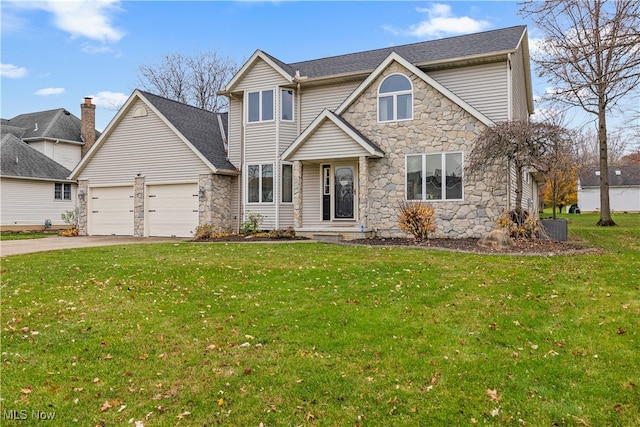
[[260, 183], [62, 191], [434, 176], [286, 104], [260, 106], [395, 99]]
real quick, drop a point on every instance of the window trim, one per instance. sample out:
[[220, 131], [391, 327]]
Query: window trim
[[443, 157], [293, 105], [62, 191], [260, 106], [260, 186], [394, 95]]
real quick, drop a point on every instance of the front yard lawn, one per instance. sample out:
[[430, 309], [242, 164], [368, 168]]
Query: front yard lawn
[[315, 334]]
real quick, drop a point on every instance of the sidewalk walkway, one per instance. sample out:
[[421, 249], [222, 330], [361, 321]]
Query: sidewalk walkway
[[18, 247]]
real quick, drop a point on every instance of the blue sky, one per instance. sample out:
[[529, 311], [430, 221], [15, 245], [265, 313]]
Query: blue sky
[[54, 53]]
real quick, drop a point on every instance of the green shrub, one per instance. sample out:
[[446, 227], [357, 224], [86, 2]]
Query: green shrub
[[252, 223]]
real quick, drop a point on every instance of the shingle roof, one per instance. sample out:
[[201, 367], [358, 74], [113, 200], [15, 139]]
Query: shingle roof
[[628, 175], [55, 124], [506, 39], [199, 127], [20, 160]]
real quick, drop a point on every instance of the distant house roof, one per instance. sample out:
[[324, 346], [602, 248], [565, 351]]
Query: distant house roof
[[618, 176], [19, 160], [52, 124], [200, 127]]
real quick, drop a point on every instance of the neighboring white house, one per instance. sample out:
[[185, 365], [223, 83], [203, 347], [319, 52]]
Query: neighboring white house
[[38, 152], [624, 189]]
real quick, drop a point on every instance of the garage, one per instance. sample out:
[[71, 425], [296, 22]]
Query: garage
[[172, 210], [111, 211]]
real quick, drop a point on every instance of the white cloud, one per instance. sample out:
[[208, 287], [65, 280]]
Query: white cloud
[[109, 100], [12, 71], [93, 49], [441, 22], [88, 19], [50, 91]]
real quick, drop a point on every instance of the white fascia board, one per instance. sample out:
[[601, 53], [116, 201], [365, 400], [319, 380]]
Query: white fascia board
[[393, 56]]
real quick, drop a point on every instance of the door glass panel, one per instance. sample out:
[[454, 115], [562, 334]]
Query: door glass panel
[[343, 192]]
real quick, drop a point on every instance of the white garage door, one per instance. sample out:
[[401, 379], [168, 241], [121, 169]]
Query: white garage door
[[111, 211], [172, 210]]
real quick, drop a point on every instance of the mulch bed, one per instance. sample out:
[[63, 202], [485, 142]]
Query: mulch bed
[[521, 247]]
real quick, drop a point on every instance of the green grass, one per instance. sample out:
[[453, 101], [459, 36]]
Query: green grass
[[315, 334], [26, 235]]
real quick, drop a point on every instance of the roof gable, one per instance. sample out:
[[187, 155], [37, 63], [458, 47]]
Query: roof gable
[[394, 57], [362, 143], [280, 67], [19, 160], [198, 129]]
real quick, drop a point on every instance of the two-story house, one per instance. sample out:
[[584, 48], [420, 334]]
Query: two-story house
[[333, 145]]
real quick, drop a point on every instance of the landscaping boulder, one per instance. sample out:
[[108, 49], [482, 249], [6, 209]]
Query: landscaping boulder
[[496, 239]]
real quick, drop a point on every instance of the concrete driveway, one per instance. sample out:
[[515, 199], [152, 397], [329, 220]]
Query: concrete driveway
[[17, 247]]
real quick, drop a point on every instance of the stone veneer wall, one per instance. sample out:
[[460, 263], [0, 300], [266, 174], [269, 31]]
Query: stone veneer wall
[[138, 206], [83, 203], [439, 125], [215, 201]]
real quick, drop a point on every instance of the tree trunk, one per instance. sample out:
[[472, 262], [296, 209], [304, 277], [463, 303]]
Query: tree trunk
[[518, 187], [605, 209]]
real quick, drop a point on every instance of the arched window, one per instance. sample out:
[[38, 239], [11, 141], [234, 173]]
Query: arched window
[[395, 99]]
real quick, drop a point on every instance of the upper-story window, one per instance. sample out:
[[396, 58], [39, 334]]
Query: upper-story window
[[395, 99], [260, 107], [286, 104]]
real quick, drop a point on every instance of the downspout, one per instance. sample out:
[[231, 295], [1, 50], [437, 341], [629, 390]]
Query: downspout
[[509, 89], [276, 173]]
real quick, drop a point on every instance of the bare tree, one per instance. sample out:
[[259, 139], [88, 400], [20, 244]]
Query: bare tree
[[586, 150], [591, 52], [193, 80], [524, 144]]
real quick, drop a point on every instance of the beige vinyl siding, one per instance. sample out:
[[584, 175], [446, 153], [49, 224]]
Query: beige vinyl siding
[[519, 89], [31, 202], [261, 76], [145, 146], [68, 155], [328, 140], [288, 133], [484, 87], [311, 196], [268, 212], [235, 131], [316, 99], [260, 143], [286, 215]]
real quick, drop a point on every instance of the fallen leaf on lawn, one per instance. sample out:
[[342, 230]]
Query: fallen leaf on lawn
[[493, 395], [184, 414], [495, 412], [122, 408], [247, 371], [108, 357], [621, 331], [143, 356], [106, 405], [96, 379], [220, 402], [299, 381], [249, 337], [26, 390]]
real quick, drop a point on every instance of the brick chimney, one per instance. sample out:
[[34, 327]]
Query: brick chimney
[[87, 125]]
